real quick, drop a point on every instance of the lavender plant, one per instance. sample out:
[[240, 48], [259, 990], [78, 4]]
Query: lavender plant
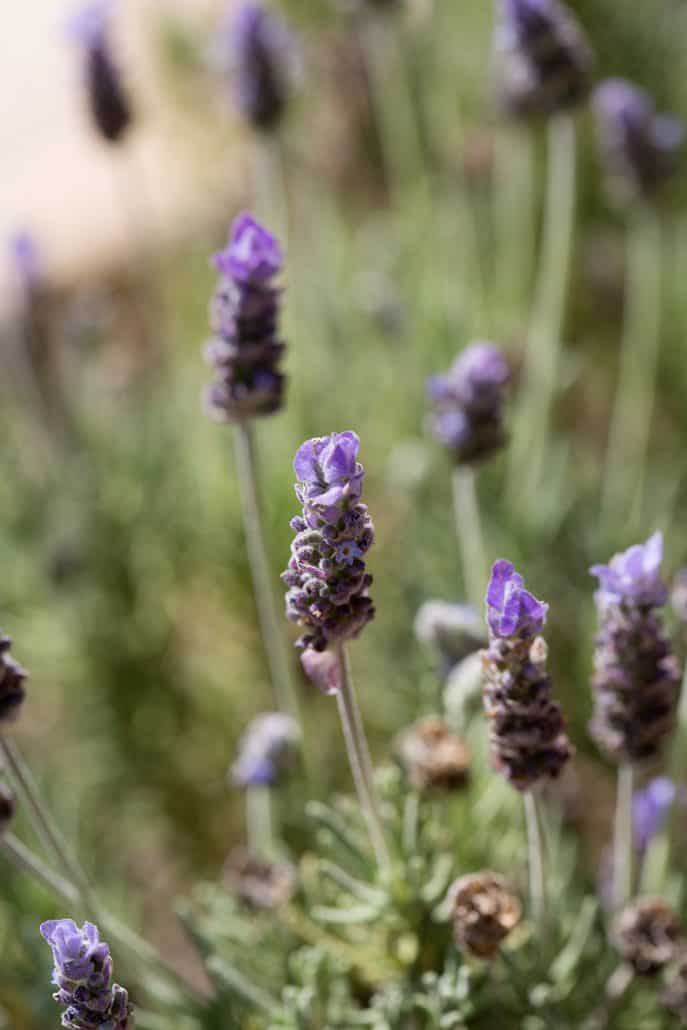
[[107, 97]]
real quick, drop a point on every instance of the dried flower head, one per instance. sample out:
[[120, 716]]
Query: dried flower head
[[108, 101], [267, 751], [83, 976], [546, 63], [453, 630], [636, 677], [467, 403], [641, 148], [7, 808], [433, 757], [650, 808], [257, 882], [246, 351], [12, 677], [648, 935], [326, 577], [526, 726], [484, 910], [261, 49]]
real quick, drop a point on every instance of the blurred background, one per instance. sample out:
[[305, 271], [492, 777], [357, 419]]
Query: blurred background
[[410, 212]]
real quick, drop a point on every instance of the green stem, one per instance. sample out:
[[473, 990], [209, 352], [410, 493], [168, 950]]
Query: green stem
[[360, 761], [626, 455], [542, 358], [272, 637], [623, 845], [270, 190], [28, 862], [469, 533], [259, 821], [514, 218], [241, 985], [535, 857]]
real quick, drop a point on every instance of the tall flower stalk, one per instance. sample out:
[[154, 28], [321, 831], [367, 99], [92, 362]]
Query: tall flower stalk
[[467, 418], [245, 354], [526, 727], [328, 594], [640, 150], [636, 681]]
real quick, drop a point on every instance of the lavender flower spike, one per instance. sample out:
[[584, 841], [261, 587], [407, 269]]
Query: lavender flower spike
[[108, 101], [636, 677], [12, 677], [266, 751], [641, 148], [83, 977], [527, 730], [650, 808], [245, 351], [468, 403], [260, 49], [327, 578], [546, 61]]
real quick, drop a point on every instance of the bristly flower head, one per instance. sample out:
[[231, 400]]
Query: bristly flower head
[[261, 50], [468, 402], [266, 751], [648, 935], [12, 677], [641, 148], [109, 103], [526, 726], [245, 351], [636, 678], [327, 578], [650, 808], [83, 977], [546, 61], [484, 910]]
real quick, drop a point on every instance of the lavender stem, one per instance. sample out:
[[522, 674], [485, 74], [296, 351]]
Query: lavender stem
[[469, 533], [622, 839], [535, 857], [259, 821], [264, 597], [542, 357], [626, 454], [360, 762]]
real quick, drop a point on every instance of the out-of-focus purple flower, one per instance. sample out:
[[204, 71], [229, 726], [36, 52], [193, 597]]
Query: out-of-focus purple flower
[[468, 401], [453, 630], [545, 60], [245, 351], [650, 808], [326, 578], [26, 259], [261, 51], [633, 577], [641, 148], [266, 751], [526, 726], [83, 977], [636, 677], [110, 107], [511, 610], [12, 677]]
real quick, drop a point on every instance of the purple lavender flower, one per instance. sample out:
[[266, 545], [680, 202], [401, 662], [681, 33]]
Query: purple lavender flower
[[650, 808], [327, 579], [526, 726], [83, 977], [266, 751], [636, 677], [641, 148], [246, 350], [12, 677], [546, 61], [108, 101], [261, 48], [468, 403]]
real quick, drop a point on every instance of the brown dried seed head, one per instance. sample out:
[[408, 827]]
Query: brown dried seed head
[[258, 883], [433, 757], [648, 934], [484, 910]]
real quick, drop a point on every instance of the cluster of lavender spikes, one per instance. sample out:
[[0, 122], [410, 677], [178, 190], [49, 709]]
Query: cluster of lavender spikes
[[547, 62], [260, 47], [245, 351], [636, 677], [83, 977], [640, 147], [526, 726], [326, 577], [468, 403], [110, 107]]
